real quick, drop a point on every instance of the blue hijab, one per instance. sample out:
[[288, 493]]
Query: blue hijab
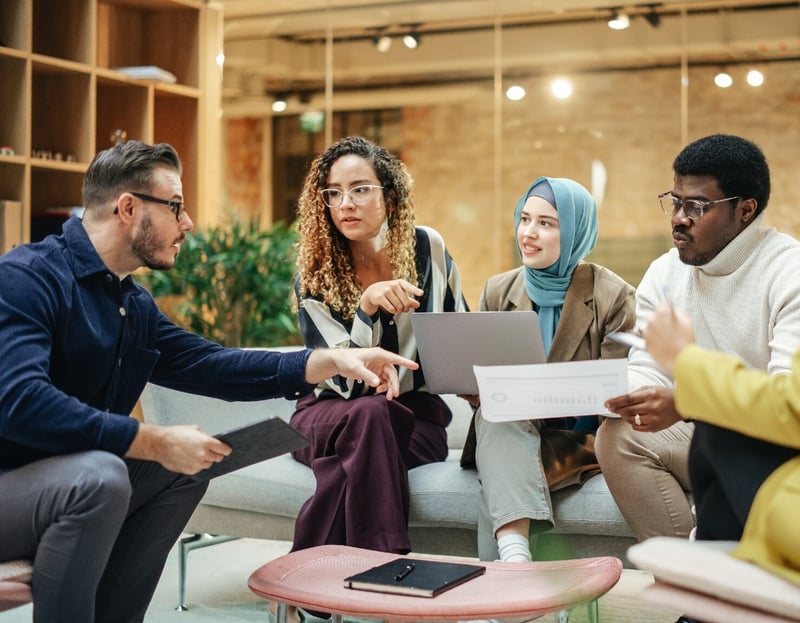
[[577, 222]]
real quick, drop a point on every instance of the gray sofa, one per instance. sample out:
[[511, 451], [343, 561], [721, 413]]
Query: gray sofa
[[262, 501]]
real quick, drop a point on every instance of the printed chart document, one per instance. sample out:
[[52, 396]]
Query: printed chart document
[[414, 576], [564, 389]]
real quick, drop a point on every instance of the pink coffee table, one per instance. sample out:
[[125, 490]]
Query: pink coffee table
[[313, 579]]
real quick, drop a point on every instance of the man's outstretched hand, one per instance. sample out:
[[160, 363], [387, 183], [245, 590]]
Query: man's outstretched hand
[[375, 366]]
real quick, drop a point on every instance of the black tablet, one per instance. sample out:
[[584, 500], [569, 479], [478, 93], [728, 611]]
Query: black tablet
[[254, 443]]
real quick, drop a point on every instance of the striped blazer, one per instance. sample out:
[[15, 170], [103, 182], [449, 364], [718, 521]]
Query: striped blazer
[[322, 327]]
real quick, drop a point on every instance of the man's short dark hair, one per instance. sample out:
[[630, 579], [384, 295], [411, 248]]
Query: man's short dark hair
[[738, 165], [127, 167]]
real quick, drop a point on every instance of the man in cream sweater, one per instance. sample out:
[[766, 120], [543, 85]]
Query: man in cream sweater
[[737, 281]]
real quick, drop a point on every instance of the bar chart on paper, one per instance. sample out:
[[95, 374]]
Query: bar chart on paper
[[550, 390]]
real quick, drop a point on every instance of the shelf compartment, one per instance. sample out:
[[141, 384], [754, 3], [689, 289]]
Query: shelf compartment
[[53, 194], [63, 29], [13, 121], [122, 106], [15, 24], [132, 33], [12, 181], [176, 120], [55, 90]]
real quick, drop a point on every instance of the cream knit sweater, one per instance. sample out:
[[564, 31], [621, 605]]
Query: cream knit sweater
[[745, 301]]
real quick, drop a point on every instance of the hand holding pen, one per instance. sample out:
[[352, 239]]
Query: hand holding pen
[[635, 339]]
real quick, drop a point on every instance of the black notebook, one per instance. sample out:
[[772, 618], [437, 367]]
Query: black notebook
[[253, 443], [414, 576]]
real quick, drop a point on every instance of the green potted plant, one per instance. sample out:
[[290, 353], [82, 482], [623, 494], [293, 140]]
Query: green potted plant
[[233, 284]]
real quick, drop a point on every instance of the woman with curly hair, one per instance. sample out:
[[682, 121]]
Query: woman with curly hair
[[363, 267]]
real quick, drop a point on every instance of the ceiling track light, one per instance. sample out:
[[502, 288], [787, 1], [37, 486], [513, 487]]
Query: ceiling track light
[[619, 20], [515, 92], [653, 17], [411, 40], [279, 103], [382, 41], [723, 79], [561, 88], [755, 77]]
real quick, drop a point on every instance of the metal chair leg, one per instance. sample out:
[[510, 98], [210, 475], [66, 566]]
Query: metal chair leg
[[593, 611], [186, 545]]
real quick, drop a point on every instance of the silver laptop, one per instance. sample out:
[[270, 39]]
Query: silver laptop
[[450, 343]]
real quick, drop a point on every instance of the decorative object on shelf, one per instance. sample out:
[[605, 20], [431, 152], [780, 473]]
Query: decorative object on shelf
[[49, 154], [118, 137], [234, 283], [5, 150], [148, 72]]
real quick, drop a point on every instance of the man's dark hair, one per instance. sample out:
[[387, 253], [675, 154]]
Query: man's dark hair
[[738, 165], [127, 167]]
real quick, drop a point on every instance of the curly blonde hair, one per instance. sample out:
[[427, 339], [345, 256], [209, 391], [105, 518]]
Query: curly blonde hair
[[325, 264]]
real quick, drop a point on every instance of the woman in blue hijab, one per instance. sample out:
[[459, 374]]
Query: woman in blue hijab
[[578, 304]]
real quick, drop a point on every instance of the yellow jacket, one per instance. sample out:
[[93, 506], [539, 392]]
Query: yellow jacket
[[719, 389]]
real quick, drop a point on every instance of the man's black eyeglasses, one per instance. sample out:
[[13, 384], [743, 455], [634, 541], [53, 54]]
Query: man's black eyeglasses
[[175, 206]]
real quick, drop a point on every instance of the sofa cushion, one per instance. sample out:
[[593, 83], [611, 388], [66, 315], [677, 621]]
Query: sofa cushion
[[278, 486], [445, 499], [442, 495]]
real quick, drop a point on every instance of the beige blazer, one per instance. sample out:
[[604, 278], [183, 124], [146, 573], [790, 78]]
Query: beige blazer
[[598, 302]]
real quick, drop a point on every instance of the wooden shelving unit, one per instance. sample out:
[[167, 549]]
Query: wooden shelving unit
[[63, 97]]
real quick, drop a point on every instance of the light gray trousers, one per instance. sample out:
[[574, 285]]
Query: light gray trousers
[[99, 529], [513, 481]]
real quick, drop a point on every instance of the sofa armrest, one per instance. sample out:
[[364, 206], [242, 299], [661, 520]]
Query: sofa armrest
[[164, 406]]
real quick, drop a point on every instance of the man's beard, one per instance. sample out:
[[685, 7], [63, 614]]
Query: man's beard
[[146, 246]]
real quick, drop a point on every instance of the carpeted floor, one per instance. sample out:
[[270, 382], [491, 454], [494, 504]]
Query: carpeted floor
[[217, 591]]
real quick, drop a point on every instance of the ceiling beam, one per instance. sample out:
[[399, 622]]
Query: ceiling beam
[[286, 66], [449, 63], [253, 19]]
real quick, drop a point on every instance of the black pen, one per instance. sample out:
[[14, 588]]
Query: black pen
[[409, 568]]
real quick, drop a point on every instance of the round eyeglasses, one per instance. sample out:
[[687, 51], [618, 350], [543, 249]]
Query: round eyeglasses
[[692, 208], [359, 195]]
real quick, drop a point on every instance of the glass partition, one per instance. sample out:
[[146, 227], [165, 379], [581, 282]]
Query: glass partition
[[472, 150]]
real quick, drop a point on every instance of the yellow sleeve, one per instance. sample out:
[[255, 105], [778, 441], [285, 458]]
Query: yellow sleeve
[[719, 389]]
